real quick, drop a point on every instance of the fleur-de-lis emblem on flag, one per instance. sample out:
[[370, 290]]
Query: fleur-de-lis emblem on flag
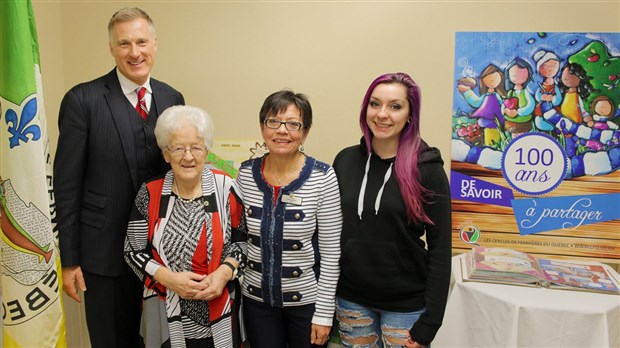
[[20, 127]]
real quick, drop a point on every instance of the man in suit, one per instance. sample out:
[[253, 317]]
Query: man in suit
[[106, 150]]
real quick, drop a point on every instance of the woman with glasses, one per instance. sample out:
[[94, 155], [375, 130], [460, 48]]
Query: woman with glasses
[[186, 241], [293, 217], [393, 287]]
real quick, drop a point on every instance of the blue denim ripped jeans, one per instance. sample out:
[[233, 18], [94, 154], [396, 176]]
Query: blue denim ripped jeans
[[367, 327]]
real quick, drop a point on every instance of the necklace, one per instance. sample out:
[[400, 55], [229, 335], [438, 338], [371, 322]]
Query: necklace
[[286, 174], [186, 200]]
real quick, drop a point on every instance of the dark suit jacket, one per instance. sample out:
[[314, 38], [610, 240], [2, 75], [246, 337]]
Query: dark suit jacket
[[95, 172]]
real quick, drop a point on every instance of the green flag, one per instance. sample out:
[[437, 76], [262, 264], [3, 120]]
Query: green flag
[[31, 280]]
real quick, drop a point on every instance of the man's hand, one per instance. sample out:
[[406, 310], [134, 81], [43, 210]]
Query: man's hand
[[72, 280]]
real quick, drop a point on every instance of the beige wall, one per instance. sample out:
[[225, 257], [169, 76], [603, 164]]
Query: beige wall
[[227, 57]]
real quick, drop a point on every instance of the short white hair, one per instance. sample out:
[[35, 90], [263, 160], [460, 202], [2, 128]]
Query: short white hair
[[543, 56], [178, 116]]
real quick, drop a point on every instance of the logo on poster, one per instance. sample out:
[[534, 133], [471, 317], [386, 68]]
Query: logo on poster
[[470, 234]]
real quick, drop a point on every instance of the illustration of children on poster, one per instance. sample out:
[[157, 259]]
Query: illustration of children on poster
[[536, 142]]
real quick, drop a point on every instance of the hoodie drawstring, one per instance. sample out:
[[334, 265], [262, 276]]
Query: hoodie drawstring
[[360, 199], [385, 179]]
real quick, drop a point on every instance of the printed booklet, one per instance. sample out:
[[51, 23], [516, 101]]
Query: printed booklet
[[507, 266]]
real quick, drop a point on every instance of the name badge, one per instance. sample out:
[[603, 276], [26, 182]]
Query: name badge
[[291, 199]]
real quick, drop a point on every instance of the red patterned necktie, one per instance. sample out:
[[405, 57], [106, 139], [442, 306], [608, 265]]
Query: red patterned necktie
[[141, 105]]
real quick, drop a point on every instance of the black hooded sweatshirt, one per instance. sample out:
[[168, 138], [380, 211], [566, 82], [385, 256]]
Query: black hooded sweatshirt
[[384, 261]]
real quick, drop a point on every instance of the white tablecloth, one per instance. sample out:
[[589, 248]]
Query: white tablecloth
[[495, 315]]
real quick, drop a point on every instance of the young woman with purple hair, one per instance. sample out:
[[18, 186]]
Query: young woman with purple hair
[[393, 287]]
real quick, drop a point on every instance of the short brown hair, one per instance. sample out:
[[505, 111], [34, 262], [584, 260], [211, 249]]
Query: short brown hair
[[127, 14]]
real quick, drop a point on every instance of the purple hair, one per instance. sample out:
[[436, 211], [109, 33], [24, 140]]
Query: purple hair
[[409, 146]]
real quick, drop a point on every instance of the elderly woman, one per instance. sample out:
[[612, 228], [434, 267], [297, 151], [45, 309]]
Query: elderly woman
[[186, 240], [294, 221]]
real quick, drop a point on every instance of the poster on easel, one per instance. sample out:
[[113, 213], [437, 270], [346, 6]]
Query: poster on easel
[[535, 147]]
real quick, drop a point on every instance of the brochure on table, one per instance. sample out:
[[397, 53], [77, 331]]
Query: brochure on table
[[508, 266]]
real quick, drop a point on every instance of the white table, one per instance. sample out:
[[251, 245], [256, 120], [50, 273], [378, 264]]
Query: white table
[[495, 315]]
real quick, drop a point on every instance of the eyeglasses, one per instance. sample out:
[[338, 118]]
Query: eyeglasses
[[179, 151], [274, 123]]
